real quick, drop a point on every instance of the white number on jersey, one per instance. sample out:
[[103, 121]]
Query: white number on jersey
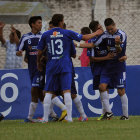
[[60, 46]]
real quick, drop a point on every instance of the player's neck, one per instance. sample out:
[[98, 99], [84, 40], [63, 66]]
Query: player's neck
[[34, 31]]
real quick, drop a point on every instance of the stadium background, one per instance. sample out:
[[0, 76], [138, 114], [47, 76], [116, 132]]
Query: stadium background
[[78, 13]]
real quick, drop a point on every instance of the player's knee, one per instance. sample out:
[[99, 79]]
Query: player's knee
[[121, 91], [102, 87]]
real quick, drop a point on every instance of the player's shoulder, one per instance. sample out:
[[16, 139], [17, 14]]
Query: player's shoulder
[[121, 32]]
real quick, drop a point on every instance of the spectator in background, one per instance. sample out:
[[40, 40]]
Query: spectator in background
[[84, 58], [12, 61]]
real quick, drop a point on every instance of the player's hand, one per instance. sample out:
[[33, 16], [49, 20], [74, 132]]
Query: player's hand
[[118, 40], [110, 55], [19, 53], [99, 32], [123, 58], [39, 67], [13, 30], [2, 25]]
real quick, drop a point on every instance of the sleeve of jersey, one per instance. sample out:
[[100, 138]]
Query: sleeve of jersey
[[41, 44], [98, 40], [21, 44], [124, 40], [73, 50], [74, 36]]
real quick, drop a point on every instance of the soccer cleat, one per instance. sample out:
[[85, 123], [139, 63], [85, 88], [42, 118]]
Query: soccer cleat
[[81, 119], [44, 121], [124, 118], [100, 118], [1, 117], [63, 115], [107, 116], [53, 119], [28, 120]]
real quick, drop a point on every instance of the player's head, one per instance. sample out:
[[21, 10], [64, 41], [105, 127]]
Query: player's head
[[94, 25], [35, 22], [50, 25], [12, 38], [58, 20], [85, 30], [110, 25]]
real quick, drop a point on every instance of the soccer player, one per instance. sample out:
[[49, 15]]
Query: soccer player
[[114, 70], [99, 56], [59, 65], [29, 43]]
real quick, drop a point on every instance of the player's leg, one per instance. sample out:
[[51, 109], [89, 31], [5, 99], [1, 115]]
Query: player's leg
[[56, 101], [49, 91], [121, 91], [77, 102], [66, 80], [33, 104], [104, 81]]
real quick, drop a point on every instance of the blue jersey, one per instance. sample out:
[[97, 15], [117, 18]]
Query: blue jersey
[[98, 51], [59, 45], [114, 65], [29, 43]]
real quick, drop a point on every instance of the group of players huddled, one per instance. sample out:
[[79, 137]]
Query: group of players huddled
[[50, 55]]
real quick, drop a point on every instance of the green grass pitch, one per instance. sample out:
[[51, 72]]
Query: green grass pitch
[[114, 129]]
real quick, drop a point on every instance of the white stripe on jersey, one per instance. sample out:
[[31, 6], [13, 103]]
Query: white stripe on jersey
[[28, 37], [123, 35], [92, 52]]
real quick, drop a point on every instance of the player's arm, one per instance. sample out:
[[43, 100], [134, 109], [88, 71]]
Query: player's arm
[[40, 47], [89, 36], [20, 47], [123, 58], [73, 50], [85, 45], [109, 56], [13, 30], [3, 41]]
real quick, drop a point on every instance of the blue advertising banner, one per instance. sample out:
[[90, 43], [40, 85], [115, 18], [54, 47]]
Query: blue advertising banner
[[15, 93]]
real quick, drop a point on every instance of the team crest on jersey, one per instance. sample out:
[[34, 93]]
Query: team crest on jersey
[[56, 34]]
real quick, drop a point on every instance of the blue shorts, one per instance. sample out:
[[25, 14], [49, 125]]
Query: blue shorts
[[73, 88], [38, 79], [96, 83], [117, 80], [57, 81]]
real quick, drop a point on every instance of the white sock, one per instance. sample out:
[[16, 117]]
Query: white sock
[[79, 107], [47, 104], [52, 113], [32, 109], [68, 103], [103, 108], [105, 100], [58, 103], [124, 101]]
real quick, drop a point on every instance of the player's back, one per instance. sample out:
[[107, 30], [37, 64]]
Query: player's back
[[59, 42]]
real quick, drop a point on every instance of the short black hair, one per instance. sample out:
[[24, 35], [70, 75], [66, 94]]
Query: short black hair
[[33, 19], [56, 19], [64, 26], [50, 22], [85, 30], [94, 25], [109, 21], [18, 33]]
